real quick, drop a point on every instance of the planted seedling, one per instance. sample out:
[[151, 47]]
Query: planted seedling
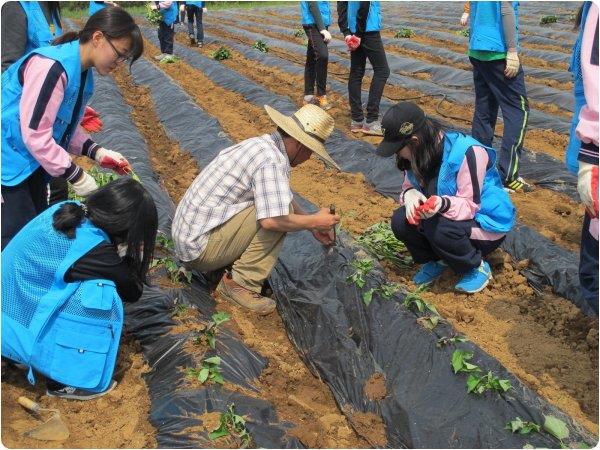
[[464, 32], [520, 426], [405, 33], [210, 333], [209, 371], [221, 54], [153, 16], [548, 19], [379, 241], [180, 310], [488, 382], [176, 273], [170, 59], [429, 321], [413, 300], [449, 340], [299, 32], [362, 267], [164, 242], [261, 46], [386, 291], [230, 424], [460, 362]]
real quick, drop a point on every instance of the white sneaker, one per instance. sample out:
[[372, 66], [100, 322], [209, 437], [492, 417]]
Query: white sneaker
[[160, 57]]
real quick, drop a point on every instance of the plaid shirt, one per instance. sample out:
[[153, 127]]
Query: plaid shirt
[[253, 172]]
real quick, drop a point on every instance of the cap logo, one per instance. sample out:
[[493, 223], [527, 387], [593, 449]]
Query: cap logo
[[406, 128]]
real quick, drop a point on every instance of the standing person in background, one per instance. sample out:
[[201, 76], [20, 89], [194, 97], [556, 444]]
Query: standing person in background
[[194, 12], [360, 22], [499, 83], [316, 18], [166, 28], [44, 95], [587, 132], [97, 6], [464, 19]]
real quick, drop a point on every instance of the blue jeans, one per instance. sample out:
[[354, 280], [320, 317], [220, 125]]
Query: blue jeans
[[195, 12]]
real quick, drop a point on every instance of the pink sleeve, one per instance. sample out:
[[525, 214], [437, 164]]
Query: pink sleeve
[[587, 129], [164, 5], [469, 181], [406, 185], [79, 138]]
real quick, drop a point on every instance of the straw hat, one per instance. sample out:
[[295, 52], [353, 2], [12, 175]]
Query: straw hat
[[310, 126]]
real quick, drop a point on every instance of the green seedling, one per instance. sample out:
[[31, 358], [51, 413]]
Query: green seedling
[[385, 291], [446, 340], [210, 333], [379, 241], [556, 428], [464, 32], [460, 362], [102, 179], [548, 19], [153, 16], [180, 310], [413, 300], [221, 54], [299, 32], [520, 426], [429, 321], [164, 242], [231, 424], [362, 267], [488, 382], [176, 273], [261, 46], [170, 59], [209, 371], [404, 33]]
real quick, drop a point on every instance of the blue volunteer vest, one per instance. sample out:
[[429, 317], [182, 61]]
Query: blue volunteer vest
[[575, 68], [307, 17], [496, 212], [69, 332], [198, 4], [373, 19], [169, 15], [39, 33], [95, 7], [486, 31], [17, 162]]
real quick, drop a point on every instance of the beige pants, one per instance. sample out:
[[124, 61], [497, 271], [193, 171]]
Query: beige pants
[[243, 242]]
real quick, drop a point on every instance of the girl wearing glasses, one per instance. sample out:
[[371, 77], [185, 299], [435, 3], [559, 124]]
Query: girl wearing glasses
[[44, 95]]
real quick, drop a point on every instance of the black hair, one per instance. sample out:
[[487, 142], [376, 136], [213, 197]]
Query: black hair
[[125, 211], [283, 133], [579, 17], [54, 9], [114, 22], [427, 154]]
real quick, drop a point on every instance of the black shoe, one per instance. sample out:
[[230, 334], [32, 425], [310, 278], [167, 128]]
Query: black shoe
[[192, 41], [518, 185], [73, 393]]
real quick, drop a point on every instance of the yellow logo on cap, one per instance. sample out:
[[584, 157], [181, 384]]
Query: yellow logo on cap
[[406, 128]]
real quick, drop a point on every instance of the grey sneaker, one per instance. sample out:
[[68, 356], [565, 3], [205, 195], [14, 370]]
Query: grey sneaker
[[160, 57], [373, 128], [73, 393], [308, 100], [357, 127]]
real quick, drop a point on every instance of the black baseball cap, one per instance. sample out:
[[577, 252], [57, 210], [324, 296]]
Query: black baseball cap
[[399, 122]]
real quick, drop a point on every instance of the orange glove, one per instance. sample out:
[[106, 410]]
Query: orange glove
[[430, 207], [353, 42], [91, 121]]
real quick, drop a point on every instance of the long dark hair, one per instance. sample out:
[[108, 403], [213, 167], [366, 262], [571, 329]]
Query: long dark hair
[[115, 23], [427, 154], [125, 211], [579, 17]]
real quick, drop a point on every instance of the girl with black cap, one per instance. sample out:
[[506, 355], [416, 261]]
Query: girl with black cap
[[454, 210]]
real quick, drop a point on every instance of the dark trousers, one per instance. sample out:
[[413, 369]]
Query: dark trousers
[[317, 56], [194, 12], [588, 265], [23, 202], [441, 238], [371, 47], [166, 34], [59, 191], [492, 91]]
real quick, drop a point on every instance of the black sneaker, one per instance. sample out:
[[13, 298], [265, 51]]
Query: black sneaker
[[518, 185], [192, 40], [73, 393]]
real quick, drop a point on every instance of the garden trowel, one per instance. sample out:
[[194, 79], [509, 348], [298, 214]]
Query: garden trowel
[[53, 429]]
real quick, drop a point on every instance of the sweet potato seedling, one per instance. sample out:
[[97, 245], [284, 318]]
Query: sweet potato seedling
[[464, 32], [460, 362], [379, 241], [176, 273], [209, 334], [153, 16], [521, 426], [479, 384], [449, 340], [548, 19], [299, 32], [231, 424], [261, 46], [209, 371], [362, 267], [404, 33], [221, 54]]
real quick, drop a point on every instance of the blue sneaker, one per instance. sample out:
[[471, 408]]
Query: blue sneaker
[[429, 272], [475, 279]]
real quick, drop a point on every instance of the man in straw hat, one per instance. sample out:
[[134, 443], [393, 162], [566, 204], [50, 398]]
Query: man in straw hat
[[238, 209]]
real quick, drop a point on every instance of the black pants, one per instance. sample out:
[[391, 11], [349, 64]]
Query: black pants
[[588, 265], [317, 56], [59, 191], [371, 47], [441, 238], [194, 12], [492, 91], [166, 34], [23, 202]]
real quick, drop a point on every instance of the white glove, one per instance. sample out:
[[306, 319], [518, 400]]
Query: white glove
[[122, 250], [326, 36], [412, 200], [464, 19], [109, 159], [512, 64], [85, 185], [587, 185], [182, 8]]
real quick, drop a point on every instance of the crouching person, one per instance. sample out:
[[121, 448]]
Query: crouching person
[[237, 211], [64, 277], [454, 209]]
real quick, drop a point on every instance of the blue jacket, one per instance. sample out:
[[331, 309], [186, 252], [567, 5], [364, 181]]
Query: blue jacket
[[373, 19], [69, 332], [307, 17], [486, 31], [496, 212], [575, 68], [198, 4], [17, 162], [39, 33], [170, 14], [95, 7]]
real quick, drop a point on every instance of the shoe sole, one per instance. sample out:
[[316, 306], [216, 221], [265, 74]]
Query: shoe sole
[[223, 296], [372, 134], [427, 283], [476, 291], [83, 398], [359, 130]]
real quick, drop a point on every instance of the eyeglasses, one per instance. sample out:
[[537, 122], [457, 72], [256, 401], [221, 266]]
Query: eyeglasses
[[120, 57]]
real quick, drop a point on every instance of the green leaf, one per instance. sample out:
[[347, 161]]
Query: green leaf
[[528, 446], [472, 383], [504, 385], [556, 427], [210, 339], [203, 375], [368, 296], [213, 360], [459, 361], [218, 433], [220, 317], [217, 378]]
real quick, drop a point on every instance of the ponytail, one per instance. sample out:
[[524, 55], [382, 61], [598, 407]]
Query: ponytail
[[68, 217], [65, 38]]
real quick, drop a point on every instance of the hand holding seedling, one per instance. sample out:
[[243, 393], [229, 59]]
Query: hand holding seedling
[[324, 221], [109, 159], [412, 200], [430, 207]]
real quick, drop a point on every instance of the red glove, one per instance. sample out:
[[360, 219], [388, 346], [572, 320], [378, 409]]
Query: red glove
[[353, 42], [110, 159], [430, 207], [91, 121]]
